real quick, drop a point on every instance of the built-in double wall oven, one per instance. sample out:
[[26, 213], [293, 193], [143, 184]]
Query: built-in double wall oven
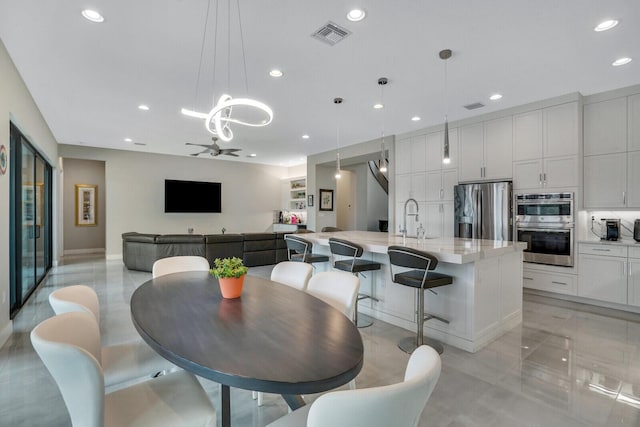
[[545, 223]]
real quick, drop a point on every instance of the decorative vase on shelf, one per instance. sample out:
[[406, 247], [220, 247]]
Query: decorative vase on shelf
[[230, 273]]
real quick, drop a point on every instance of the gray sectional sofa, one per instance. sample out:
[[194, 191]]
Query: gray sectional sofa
[[140, 251]]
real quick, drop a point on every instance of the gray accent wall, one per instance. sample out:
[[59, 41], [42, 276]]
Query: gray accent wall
[[82, 238]]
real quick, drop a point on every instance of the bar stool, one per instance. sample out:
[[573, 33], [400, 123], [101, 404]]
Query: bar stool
[[421, 279], [354, 265], [299, 249], [330, 229]]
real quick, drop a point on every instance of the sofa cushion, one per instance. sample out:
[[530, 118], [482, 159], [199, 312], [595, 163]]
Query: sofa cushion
[[180, 238], [223, 238], [139, 237]]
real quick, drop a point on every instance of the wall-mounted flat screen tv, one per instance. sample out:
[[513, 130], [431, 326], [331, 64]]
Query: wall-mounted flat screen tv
[[192, 196]]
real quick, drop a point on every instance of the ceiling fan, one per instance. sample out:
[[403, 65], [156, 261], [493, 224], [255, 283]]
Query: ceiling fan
[[214, 149]]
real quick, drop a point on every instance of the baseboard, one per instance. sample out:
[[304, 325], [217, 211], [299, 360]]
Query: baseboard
[[6, 332], [83, 251], [114, 257]]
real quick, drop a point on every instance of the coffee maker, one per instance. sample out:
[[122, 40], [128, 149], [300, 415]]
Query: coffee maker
[[612, 227], [636, 230]]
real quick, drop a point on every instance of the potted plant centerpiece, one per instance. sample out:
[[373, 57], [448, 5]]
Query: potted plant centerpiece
[[230, 273]]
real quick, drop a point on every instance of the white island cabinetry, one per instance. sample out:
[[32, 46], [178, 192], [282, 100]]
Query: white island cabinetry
[[484, 301]]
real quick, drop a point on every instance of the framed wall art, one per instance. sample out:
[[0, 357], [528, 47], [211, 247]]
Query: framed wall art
[[86, 205], [326, 200]]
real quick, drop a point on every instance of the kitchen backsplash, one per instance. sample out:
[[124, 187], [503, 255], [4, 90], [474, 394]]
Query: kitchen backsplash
[[626, 221]]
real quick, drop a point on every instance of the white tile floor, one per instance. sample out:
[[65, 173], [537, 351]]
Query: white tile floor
[[566, 365]]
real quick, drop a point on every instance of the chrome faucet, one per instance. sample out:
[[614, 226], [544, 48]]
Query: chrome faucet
[[404, 228]]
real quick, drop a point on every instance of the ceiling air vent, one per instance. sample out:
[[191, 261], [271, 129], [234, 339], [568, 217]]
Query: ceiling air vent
[[474, 106], [331, 33]]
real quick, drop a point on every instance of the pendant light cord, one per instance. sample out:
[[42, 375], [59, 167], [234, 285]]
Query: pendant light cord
[[244, 59], [204, 37]]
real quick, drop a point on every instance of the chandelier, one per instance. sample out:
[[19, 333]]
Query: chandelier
[[219, 119]]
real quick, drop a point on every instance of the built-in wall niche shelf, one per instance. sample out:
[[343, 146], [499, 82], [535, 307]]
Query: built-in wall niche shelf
[[297, 193]]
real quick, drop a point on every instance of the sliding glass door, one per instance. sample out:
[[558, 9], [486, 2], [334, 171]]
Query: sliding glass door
[[30, 218]]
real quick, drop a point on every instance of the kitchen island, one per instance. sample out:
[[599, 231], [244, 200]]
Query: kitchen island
[[484, 301]]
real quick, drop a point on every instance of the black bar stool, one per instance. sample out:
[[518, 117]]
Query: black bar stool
[[354, 265], [300, 250], [421, 279], [330, 229]]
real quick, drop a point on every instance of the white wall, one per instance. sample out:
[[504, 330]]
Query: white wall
[[135, 193], [345, 201], [377, 203], [16, 105], [320, 176]]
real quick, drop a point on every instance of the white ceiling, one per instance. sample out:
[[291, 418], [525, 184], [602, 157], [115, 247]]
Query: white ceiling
[[88, 79]]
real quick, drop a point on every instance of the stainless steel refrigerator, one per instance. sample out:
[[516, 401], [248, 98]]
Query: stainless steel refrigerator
[[484, 210]]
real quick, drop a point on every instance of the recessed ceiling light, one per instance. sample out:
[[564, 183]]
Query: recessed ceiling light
[[415, 119], [606, 25], [495, 97], [356, 15], [143, 107], [378, 106], [305, 136], [92, 15], [564, 359], [252, 155], [621, 61], [275, 73], [128, 140]]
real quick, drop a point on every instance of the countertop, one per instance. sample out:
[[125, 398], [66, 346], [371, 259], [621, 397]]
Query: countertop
[[448, 249], [624, 242]]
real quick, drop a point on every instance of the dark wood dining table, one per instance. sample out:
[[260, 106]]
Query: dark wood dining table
[[273, 338]]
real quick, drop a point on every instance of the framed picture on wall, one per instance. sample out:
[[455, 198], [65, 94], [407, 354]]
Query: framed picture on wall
[[86, 205], [326, 200]]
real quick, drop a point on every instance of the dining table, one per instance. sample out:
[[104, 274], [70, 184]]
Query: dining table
[[273, 338]]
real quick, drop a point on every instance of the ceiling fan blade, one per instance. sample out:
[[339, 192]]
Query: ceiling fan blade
[[232, 154]]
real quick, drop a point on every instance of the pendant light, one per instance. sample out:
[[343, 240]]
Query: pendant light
[[338, 174], [382, 81], [444, 55]]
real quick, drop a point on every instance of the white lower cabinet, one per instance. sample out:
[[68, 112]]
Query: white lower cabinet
[[633, 294], [603, 272], [550, 282]]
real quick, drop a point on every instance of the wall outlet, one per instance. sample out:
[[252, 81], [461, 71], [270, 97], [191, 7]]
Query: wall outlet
[[190, 230]]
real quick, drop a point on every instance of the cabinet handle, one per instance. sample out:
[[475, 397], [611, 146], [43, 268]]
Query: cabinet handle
[[601, 250], [544, 178], [624, 268], [527, 278], [558, 283], [624, 197], [441, 193], [540, 178]]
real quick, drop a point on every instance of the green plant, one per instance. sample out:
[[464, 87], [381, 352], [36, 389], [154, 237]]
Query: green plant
[[228, 267]]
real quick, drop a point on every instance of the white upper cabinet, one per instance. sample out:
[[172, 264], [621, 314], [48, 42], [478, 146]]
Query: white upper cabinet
[[560, 172], [403, 156], [486, 150], [418, 187], [605, 181], [498, 148], [605, 127], [471, 152], [527, 135], [440, 185], [560, 130], [634, 123], [418, 153], [403, 187], [633, 179], [435, 150]]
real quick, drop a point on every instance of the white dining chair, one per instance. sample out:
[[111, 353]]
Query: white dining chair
[[69, 346], [393, 405], [178, 264], [292, 273], [336, 288], [121, 363]]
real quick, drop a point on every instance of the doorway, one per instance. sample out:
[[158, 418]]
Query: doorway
[[30, 219]]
